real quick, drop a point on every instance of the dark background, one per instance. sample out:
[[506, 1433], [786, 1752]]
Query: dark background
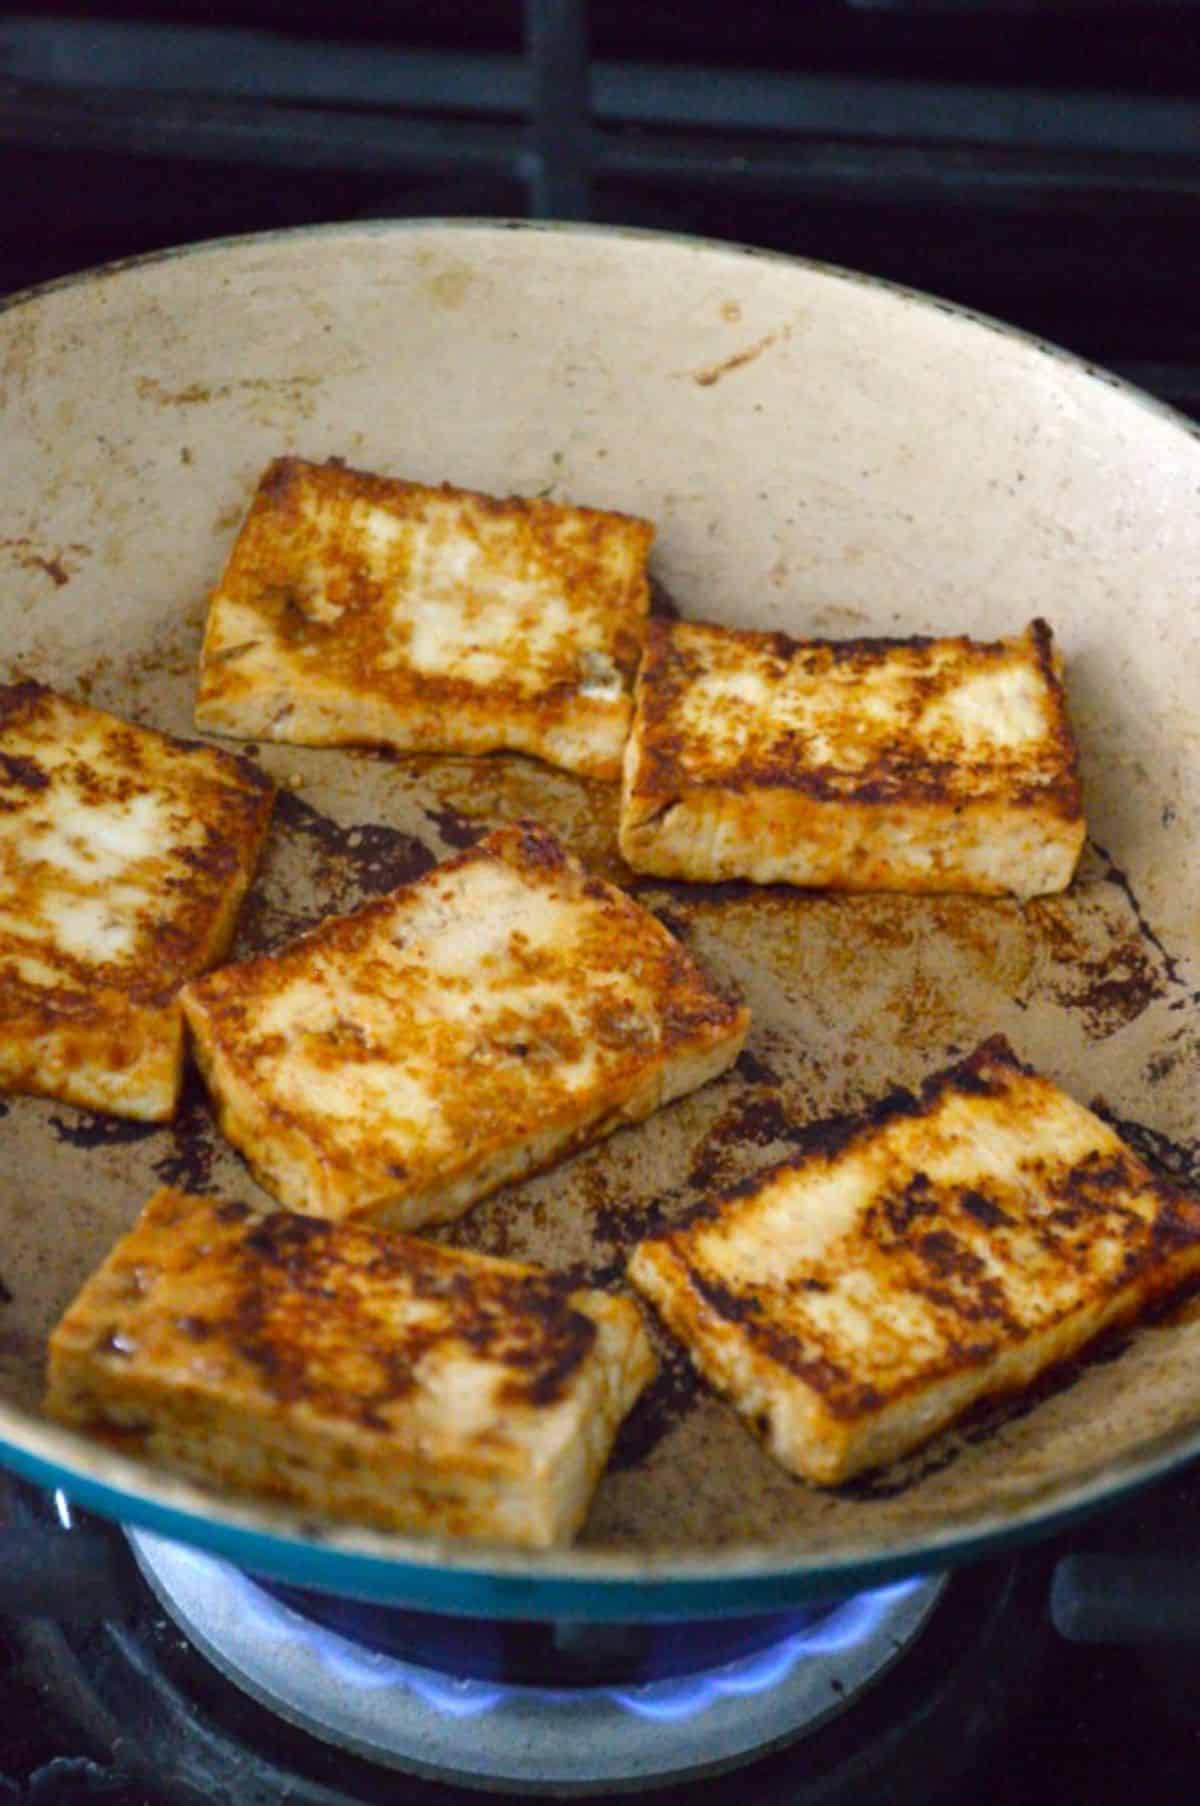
[[1038, 161]]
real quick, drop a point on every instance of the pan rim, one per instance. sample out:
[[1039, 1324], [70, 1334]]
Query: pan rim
[[384, 225], [592, 1584], [582, 1581]]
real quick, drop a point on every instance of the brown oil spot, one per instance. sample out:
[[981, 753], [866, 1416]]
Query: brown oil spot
[[343, 866], [901, 1476], [377, 857], [93, 1129], [688, 896], [483, 793], [736, 361], [54, 563], [921, 1010], [150, 389], [675, 924], [754, 1070], [197, 394], [663, 605], [1176, 1161], [456, 829], [495, 1229], [54, 568], [194, 1141], [265, 923], [731, 310], [539, 848], [1100, 960], [1115, 875], [1181, 1048], [661, 1408], [450, 287], [619, 1223], [1161, 1065], [752, 1120]]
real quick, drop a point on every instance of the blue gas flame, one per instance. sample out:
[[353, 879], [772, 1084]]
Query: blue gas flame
[[673, 1701]]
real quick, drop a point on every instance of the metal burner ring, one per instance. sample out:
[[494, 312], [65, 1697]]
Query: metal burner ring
[[526, 1739]]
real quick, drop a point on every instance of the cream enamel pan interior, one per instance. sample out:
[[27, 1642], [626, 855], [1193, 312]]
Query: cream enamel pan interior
[[822, 454]]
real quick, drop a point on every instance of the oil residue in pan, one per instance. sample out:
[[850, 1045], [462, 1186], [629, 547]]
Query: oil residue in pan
[[851, 995]]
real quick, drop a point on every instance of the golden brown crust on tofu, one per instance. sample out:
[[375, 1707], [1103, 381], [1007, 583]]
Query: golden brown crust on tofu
[[917, 764], [359, 609], [369, 1377], [853, 1300], [467, 1029], [124, 857]]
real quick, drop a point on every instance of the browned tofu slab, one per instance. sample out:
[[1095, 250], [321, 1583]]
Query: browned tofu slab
[[908, 765], [368, 1377], [124, 856], [364, 609], [853, 1300], [467, 1029]]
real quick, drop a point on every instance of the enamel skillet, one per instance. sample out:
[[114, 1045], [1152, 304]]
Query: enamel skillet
[[822, 454]]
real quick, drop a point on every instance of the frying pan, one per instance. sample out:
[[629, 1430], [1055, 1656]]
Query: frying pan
[[821, 453]]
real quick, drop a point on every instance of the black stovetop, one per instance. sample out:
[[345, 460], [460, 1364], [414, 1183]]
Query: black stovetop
[[1038, 161], [990, 1702]]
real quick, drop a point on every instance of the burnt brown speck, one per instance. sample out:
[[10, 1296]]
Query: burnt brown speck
[[662, 1407], [457, 830], [91, 1129], [373, 857], [193, 1141]]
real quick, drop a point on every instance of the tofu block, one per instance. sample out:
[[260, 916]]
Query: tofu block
[[855, 1299], [124, 856], [360, 609], [906, 765], [464, 1030], [369, 1377]]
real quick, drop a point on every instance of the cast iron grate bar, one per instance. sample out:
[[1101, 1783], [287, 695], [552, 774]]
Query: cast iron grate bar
[[236, 62], [301, 138], [559, 157]]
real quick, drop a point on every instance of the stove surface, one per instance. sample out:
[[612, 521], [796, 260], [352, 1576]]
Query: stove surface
[[1035, 159], [565, 1733], [989, 1702], [1028, 160]]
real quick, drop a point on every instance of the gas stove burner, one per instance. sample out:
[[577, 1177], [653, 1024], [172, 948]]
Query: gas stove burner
[[569, 1654], [533, 1739]]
